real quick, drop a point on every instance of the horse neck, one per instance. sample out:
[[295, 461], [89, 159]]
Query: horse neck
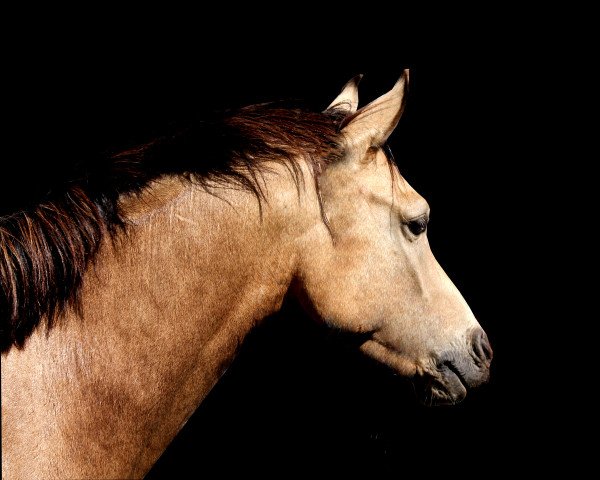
[[163, 311]]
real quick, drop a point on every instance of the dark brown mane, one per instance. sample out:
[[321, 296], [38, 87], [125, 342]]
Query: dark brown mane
[[46, 249]]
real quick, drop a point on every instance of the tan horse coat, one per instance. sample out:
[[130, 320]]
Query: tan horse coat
[[166, 305]]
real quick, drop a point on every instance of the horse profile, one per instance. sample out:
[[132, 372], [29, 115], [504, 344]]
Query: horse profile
[[125, 295]]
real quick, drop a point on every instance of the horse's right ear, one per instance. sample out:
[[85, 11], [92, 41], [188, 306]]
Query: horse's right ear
[[347, 100]]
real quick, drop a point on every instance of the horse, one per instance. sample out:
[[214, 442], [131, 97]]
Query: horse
[[127, 292]]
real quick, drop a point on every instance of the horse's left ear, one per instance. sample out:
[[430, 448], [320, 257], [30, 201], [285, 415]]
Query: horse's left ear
[[374, 123], [347, 100]]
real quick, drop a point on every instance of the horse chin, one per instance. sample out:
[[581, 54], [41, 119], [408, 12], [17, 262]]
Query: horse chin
[[444, 387]]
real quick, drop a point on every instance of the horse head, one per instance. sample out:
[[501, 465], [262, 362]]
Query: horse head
[[372, 272]]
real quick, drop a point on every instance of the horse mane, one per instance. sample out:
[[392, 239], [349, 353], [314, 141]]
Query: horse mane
[[46, 248]]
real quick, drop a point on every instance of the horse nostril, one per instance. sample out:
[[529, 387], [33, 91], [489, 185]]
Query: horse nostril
[[481, 346]]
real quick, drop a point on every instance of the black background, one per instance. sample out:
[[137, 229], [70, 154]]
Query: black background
[[298, 399]]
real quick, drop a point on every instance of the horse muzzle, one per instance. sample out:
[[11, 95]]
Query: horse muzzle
[[455, 372]]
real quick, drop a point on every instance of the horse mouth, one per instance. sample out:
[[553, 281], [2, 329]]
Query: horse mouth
[[441, 382], [447, 386]]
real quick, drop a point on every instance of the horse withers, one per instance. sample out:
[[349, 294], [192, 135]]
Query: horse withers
[[125, 296]]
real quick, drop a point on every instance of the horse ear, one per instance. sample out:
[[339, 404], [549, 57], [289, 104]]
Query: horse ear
[[373, 124], [347, 100]]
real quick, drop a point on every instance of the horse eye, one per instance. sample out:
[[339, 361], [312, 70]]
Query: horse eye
[[418, 225]]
